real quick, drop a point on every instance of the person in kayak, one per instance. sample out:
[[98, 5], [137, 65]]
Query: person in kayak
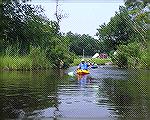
[[94, 64], [83, 65]]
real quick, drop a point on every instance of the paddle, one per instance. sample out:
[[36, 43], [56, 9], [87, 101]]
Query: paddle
[[72, 73]]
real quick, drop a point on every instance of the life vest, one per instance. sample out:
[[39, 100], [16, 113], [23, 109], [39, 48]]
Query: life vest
[[83, 66]]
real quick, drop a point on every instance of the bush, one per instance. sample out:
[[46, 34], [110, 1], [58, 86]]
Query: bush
[[39, 60], [120, 59], [127, 55], [121, 56], [145, 59], [60, 54], [132, 55]]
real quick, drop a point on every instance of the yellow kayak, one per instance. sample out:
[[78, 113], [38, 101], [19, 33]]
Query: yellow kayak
[[79, 71]]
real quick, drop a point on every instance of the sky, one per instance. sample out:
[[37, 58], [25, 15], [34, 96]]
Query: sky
[[82, 17]]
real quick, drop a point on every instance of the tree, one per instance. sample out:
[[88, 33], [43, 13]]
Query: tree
[[26, 31], [15, 16], [59, 15], [136, 52], [79, 42], [139, 10], [118, 31]]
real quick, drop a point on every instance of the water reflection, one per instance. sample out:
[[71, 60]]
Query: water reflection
[[105, 93], [127, 98], [24, 94], [83, 79]]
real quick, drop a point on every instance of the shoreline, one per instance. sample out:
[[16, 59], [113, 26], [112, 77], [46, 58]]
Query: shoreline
[[28, 66]]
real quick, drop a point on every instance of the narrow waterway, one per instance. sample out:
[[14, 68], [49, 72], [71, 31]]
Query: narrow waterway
[[106, 93]]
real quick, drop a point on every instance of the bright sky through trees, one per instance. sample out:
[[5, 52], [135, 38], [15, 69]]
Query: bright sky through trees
[[82, 17]]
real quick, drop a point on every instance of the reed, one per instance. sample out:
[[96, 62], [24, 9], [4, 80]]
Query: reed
[[15, 62], [21, 63]]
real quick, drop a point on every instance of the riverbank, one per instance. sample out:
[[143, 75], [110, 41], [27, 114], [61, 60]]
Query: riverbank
[[92, 60], [25, 63]]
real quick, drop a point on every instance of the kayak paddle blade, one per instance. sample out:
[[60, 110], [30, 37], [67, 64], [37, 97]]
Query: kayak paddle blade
[[71, 74]]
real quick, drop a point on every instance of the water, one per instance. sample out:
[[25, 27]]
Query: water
[[107, 93]]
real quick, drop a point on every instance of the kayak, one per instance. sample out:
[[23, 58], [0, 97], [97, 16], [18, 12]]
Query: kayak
[[94, 66], [81, 72]]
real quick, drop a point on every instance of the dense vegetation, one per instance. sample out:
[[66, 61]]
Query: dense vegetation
[[28, 36], [29, 40], [79, 42], [128, 34]]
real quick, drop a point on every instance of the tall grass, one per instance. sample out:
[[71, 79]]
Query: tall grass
[[16, 63], [35, 60]]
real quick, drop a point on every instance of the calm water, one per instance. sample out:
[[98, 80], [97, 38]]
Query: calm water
[[107, 93]]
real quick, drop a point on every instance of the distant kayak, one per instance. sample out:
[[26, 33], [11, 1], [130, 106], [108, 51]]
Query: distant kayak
[[79, 71], [94, 66]]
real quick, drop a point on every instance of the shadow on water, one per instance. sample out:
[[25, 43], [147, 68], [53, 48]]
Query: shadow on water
[[127, 96], [106, 93], [24, 94]]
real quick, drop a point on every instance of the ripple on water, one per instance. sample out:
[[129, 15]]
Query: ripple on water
[[107, 93]]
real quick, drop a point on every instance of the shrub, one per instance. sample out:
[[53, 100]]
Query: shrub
[[39, 60], [132, 55]]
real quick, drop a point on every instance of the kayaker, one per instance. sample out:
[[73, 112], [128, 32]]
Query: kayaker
[[94, 64], [83, 65]]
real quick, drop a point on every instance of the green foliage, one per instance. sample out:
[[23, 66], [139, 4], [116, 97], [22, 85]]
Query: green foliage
[[39, 60], [12, 51], [139, 12], [15, 63], [127, 33], [35, 60], [79, 42], [145, 57], [59, 53], [14, 18], [25, 31], [132, 55], [117, 31], [120, 58]]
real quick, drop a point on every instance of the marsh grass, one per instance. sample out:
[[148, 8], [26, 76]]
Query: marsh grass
[[22, 63], [37, 62], [16, 62]]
